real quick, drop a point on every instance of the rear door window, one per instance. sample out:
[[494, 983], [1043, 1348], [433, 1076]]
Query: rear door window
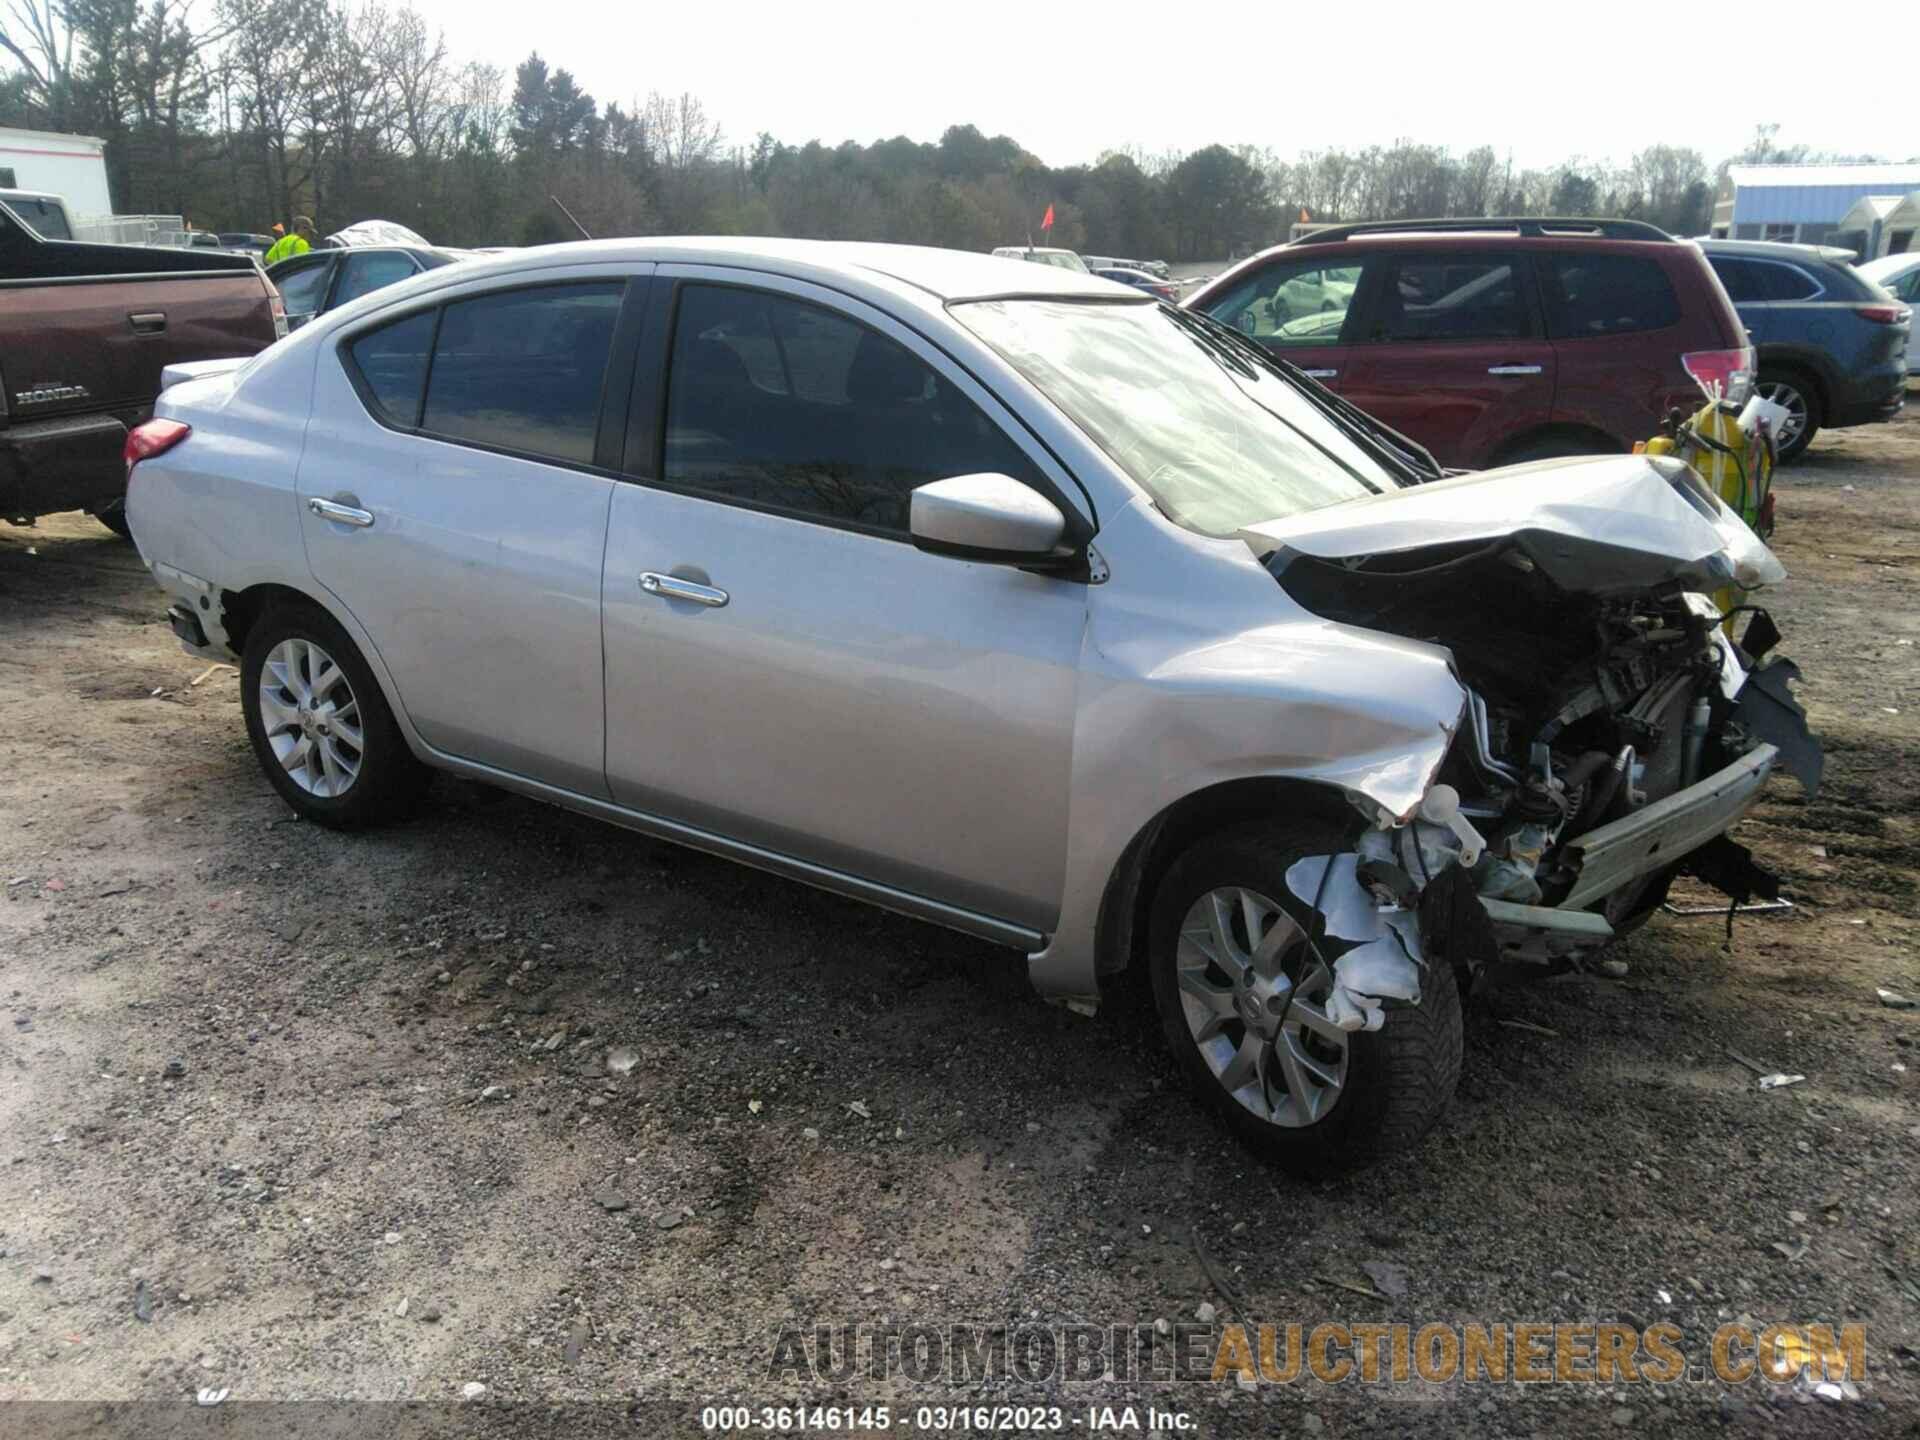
[[1591, 293], [1789, 282], [363, 274], [522, 370], [1742, 278], [1449, 298]]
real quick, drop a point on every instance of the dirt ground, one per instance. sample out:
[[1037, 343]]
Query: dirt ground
[[262, 1084]]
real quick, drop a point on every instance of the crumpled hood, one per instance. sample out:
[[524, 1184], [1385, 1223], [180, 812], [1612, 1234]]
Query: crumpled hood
[[1610, 524]]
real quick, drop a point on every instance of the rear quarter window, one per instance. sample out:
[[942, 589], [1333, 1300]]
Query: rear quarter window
[[392, 366], [1591, 294]]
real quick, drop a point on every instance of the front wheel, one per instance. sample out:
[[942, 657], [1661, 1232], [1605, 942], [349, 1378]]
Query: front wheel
[[1241, 979], [319, 725]]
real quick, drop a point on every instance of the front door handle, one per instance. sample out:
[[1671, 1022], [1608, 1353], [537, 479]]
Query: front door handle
[[345, 514], [148, 322], [1320, 374], [672, 587], [1513, 369]]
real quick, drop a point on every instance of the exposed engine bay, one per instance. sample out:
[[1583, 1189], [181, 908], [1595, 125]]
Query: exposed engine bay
[[1612, 733]]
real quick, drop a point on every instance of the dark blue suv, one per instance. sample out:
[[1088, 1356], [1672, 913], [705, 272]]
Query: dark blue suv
[[1832, 346]]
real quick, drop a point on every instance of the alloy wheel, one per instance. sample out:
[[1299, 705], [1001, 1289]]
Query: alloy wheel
[[311, 718], [1254, 994], [1793, 402]]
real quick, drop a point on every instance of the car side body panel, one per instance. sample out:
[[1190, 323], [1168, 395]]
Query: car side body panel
[[1200, 671]]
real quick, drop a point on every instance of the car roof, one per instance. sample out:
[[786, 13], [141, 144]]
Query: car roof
[[1889, 264], [1776, 250], [948, 275]]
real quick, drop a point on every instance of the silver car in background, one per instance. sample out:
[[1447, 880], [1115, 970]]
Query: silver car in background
[[998, 596]]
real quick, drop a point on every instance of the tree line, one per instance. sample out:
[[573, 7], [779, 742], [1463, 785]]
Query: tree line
[[263, 109]]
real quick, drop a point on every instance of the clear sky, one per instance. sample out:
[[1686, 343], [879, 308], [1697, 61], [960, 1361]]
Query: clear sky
[[1544, 81]]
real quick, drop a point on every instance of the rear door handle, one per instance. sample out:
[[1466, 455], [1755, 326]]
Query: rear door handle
[[1513, 369], [148, 322], [345, 514], [672, 587], [1320, 374]]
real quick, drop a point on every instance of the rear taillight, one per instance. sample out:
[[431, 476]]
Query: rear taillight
[[1727, 373], [279, 309], [156, 437], [1883, 314]]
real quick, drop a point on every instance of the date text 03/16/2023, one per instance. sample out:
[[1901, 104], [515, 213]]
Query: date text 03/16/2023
[[945, 1419]]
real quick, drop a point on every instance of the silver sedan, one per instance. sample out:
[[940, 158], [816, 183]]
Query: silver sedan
[[997, 595]]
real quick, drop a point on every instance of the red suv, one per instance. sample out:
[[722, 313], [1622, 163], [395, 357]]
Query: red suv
[[1495, 341]]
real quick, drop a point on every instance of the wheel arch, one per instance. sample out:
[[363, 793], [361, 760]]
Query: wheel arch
[[1510, 450], [1120, 929], [240, 611]]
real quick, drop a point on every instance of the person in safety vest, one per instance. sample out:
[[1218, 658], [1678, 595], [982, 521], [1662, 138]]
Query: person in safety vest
[[298, 243]]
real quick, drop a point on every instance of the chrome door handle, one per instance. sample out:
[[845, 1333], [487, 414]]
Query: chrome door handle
[[1320, 374], [345, 514], [1513, 369], [672, 587]]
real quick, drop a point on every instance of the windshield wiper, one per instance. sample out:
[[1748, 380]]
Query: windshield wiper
[[1387, 446]]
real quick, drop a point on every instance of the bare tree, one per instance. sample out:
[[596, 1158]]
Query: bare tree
[[41, 41]]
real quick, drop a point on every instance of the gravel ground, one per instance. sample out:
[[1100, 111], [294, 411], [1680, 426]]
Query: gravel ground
[[299, 1115]]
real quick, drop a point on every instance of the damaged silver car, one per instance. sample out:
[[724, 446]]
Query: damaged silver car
[[1001, 597]]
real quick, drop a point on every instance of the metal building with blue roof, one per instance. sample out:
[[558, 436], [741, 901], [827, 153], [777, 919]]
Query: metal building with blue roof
[[1803, 203]]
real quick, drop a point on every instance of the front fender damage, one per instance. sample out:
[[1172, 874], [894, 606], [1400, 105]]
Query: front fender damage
[[1374, 949]]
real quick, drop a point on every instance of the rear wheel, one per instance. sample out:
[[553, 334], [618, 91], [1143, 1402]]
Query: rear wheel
[[1555, 447], [114, 517], [319, 724], [1241, 983], [1796, 394]]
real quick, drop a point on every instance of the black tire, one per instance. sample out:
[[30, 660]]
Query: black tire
[[388, 781], [1795, 390], [1555, 447], [114, 517], [1398, 1080]]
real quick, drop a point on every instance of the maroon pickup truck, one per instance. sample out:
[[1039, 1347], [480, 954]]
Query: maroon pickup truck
[[85, 331]]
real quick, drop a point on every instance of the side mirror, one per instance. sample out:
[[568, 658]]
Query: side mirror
[[993, 518]]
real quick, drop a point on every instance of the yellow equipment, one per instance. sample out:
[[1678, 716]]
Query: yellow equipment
[[1731, 448]]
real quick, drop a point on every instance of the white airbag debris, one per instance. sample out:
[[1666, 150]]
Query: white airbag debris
[[1381, 959]]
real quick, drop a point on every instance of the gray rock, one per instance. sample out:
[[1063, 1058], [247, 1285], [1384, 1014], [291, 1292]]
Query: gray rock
[[1311, 1424], [610, 1201], [496, 1092], [1622, 1415], [668, 1219], [1387, 1277], [43, 1274], [429, 1313], [578, 1334]]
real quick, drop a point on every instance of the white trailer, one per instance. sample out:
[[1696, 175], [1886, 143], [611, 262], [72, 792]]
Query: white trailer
[[74, 167]]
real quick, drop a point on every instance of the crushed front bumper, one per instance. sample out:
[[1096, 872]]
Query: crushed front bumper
[[1666, 831]]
